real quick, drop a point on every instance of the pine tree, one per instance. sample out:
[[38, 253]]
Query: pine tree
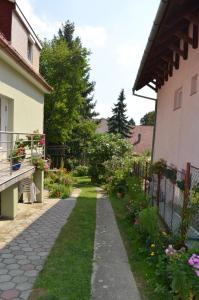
[[131, 122], [118, 123]]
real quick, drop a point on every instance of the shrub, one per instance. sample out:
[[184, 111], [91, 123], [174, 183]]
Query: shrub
[[48, 181], [102, 148], [148, 223], [81, 171], [59, 191]]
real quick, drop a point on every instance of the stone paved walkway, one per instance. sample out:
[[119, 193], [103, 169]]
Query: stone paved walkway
[[112, 278], [24, 250]]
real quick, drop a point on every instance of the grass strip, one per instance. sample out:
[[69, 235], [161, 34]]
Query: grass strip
[[142, 269], [67, 271]]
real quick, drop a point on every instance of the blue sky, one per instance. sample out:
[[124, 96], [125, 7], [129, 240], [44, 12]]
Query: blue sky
[[115, 31]]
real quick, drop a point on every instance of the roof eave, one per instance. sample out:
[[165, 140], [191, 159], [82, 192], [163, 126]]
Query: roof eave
[[156, 25]]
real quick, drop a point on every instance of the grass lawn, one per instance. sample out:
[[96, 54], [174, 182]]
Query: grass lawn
[[143, 271], [67, 272]]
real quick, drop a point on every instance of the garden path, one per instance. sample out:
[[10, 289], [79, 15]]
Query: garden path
[[26, 246], [112, 278]]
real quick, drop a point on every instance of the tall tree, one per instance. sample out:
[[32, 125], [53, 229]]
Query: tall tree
[[118, 123], [148, 119], [64, 64], [131, 122], [88, 106]]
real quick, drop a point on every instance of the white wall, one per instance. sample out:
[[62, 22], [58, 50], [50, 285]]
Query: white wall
[[19, 41], [27, 100], [177, 131]]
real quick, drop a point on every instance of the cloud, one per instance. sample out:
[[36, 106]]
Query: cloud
[[92, 36], [43, 27], [128, 55]]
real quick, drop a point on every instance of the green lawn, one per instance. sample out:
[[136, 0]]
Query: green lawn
[[67, 272], [143, 271]]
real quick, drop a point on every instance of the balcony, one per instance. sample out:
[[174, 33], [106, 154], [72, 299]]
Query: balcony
[[18, 154]]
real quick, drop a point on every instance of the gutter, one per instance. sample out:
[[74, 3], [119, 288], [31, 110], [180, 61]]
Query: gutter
[[156, 25]]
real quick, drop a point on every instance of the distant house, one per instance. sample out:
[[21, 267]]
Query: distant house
[[22, 92], [141, 138], [102, 126], [170, 66]]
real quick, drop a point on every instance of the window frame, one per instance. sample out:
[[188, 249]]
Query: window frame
[[194, 85], [30, 50], [177, 105]]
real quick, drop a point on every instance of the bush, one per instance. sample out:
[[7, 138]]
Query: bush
[[80, 171], [102, 148], [59, 191], [148, 223], [59, 183]]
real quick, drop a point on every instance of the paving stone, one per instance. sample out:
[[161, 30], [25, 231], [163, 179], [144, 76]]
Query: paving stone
[[9, 261], [4, 278], [25, 295], [7, 256], [24, 286], [23, 262], [19, 279], [20, 257], [7, 285], [28, 267], [12, 267], [32, 273], [3, 271], [16, 272], [10, 294]]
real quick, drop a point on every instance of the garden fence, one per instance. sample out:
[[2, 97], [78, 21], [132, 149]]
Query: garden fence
[[171, 196], [57, 154]]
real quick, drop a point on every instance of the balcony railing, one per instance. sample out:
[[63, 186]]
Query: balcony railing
[[19, 150]]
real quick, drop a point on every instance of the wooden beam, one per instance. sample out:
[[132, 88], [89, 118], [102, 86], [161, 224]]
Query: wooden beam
[[152, 87], [195, 36], [177, 50], [184, 36], [192, 18]]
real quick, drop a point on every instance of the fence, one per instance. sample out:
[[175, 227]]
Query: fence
[[172, 193], [17, 151], [57, 154]]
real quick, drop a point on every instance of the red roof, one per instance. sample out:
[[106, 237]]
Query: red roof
[[9, 50], [142, 137]]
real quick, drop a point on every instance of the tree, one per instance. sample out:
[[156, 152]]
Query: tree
[[118, 123], [101, 149], [64, 64], [148, 119], [87, 109], [131, 122]]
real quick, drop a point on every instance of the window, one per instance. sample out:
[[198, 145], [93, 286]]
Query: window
[[178, 99], [30, 51], [194, 84]]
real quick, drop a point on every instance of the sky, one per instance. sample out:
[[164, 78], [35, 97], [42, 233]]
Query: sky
[[115, 31]]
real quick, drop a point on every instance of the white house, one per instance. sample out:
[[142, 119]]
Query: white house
[[170, 66], [22, 92]]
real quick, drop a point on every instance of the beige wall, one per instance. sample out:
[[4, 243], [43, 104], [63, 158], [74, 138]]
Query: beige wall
[[177, 131], [26, 100], [19, 41]]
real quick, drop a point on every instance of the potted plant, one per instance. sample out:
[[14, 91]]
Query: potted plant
[[40, 163], [17, 155]]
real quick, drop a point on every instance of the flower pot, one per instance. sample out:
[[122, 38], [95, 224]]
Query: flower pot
[[16, 166]]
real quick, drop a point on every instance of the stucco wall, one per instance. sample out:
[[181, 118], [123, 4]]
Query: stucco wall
[[19, 41], [27, 100], [177, 131]]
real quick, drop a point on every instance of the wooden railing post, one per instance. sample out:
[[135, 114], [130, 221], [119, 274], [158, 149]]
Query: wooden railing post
[[184, 221]]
